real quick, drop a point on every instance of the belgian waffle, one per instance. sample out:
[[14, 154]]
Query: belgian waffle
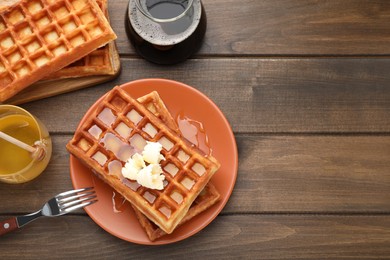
[[99, 62], [118, 125], [154, 104], [208, 197], [39, 37]]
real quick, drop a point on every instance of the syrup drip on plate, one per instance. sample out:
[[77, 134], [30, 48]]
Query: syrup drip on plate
[[118, 202], [194, 132]]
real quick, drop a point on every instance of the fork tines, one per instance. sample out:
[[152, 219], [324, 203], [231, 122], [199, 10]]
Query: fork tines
[[75, 199]]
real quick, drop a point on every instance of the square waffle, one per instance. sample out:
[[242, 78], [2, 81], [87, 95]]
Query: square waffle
[[101, 61], [154, 104], [39, 37], [209, 195], [118, 125]]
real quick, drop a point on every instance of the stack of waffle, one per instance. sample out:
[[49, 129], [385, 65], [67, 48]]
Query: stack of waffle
[[130, 123], [53, 39]]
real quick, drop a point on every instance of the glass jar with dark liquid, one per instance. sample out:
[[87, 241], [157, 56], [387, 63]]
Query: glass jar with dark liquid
[[166, 31]]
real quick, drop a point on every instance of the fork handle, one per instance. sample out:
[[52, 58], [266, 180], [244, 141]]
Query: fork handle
[[8, 225]]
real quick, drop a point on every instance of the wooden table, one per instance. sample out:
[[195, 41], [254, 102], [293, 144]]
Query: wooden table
[[305, 85]]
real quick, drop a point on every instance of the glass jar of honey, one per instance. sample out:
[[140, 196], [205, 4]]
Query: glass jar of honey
[[18, 165]]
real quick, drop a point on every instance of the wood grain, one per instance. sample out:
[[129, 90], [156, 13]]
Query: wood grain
[[227, 237], [285, 27], [260, 95], [290, 174], [49, 88], [312, 174]]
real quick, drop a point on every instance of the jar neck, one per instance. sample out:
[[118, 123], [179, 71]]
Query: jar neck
[[146, 13]]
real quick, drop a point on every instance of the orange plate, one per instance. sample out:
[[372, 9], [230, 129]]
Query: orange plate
[[180, 99]]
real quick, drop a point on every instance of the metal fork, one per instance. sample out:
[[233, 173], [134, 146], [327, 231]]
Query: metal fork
[[61, 204]]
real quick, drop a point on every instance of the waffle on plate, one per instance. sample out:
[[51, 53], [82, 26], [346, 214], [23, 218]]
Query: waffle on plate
[[208, 197], [39, 37], [120, 126]]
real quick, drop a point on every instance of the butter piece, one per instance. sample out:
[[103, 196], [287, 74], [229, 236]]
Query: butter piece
[[151, 177], [133, 166], [151, 153], [145, 168]]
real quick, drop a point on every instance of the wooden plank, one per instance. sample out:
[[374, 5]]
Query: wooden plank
[[49, 88], [319, 174], [312, 174], [264, 95], [227, 237], [285, 27]]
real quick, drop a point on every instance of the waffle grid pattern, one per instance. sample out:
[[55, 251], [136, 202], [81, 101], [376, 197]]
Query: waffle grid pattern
[[154, 104], [37, 37], [98, 62], [186, 169], [208, 197]]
